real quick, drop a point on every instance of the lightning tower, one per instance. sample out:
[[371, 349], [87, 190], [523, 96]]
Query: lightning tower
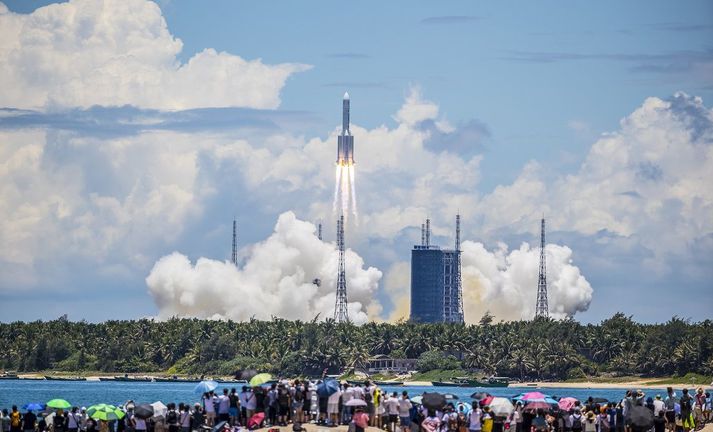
[[234, 258], [542, 309], [459, 316], [340, 308]]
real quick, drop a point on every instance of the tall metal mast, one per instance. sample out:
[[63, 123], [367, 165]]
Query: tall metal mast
[[341, 313], [542, 309], [234, 258], [319, 231], [460, 316]]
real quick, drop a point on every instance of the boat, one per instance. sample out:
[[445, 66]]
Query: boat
[[389, 383], [232, 381], [177, 379], [64, 378], [9, 376], [126, 378], [448, 384]]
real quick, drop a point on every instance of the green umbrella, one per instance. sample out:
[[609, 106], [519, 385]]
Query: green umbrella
[[260, 379], [105, 412], [59, 404]]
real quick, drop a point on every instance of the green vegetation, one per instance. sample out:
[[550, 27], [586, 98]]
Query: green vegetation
[[539, 349]]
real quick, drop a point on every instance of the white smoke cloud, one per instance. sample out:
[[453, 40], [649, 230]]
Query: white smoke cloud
[[117, 52], [505, 282], [276, 280]]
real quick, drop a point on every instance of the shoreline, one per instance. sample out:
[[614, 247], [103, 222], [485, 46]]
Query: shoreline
[[649, 383]]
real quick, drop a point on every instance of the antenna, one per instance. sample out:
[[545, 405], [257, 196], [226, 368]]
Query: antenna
[[428, 232], [460, 316], [341, 313], [234, 258], [542, 309]]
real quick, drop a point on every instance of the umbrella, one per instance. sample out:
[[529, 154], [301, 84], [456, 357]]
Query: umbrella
[[641, 418], [219, 426], [205, 387], [49, 418], [105, 412], [159, 409], [566, 403], [256, 420], [599, 400], [501, 407], [434, 401], [327, 387], [479, 395], [534, 406], [33, 406], [417, 399], [59, 404], [464, 407], [260, 379], [531, 396], [486, 401], [144, 411], [356, 403], [450, 396]]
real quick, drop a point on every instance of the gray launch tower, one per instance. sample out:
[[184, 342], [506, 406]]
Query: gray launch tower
[[542, 309], [345, 141], [341, 314]]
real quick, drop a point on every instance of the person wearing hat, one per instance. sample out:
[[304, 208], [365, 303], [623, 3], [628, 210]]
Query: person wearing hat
[[590, 422], [658, 405], [360, 419], [698, 407]]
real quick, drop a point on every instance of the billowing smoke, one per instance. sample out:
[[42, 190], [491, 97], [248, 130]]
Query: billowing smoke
[[276, 280], [505, 282]]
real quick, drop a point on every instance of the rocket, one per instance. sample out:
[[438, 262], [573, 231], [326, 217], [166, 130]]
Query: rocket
[[345, 141]]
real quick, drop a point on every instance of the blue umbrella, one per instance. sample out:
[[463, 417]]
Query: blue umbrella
[[327, 388], [33, 406], [205, 387]]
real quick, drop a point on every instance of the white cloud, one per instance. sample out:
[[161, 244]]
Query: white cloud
[[118, 52], [276, 280]]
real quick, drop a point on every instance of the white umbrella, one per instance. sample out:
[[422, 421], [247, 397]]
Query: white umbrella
[[501, 407], [159, 409], [355, 403]]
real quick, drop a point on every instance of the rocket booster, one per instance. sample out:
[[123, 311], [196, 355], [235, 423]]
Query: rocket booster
[[345, 141]]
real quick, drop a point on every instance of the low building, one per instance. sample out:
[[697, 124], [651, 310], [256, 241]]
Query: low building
[[384, 364]]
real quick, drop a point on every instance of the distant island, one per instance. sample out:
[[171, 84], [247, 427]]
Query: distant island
[[618, 350]]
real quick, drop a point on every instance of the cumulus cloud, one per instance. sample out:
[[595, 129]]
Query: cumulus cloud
[[276, 280], [648, 182], [505, 282], [117, 52]]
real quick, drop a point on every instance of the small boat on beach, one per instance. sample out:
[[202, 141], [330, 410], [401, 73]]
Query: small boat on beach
[[64, 378], [177, 379], [127, 378]]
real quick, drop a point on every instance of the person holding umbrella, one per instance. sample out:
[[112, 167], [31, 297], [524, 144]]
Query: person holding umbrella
[[29, 421]]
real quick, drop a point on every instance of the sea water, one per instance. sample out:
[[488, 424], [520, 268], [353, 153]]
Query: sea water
[[86, 393]]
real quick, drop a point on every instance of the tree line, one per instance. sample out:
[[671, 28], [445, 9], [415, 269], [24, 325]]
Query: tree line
[[538, 349]]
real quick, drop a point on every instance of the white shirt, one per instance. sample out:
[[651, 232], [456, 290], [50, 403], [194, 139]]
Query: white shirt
[[208, 405], [251, 402], [223, 404], [474, 419], [348, 395], [392, 406], [334, 397], [658, 407], [404, 407]]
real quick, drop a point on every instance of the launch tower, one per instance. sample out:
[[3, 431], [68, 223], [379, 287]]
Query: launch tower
[[542, 309], [341, 313]]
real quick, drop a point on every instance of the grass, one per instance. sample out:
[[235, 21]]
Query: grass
[[692, 379]]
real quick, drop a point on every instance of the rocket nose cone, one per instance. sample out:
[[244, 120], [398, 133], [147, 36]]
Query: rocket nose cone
[[346, 96]]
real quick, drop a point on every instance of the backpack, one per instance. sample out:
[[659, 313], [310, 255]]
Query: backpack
[[282, 397], [367, 397], [15, 419], [576, 423], [171, 417]]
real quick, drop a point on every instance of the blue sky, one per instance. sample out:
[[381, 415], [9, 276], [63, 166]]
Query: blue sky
[[516, 98]]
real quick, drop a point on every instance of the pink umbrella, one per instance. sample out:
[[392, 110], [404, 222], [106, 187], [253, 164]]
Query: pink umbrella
[[534, 406], [533, 396], [566, 403]]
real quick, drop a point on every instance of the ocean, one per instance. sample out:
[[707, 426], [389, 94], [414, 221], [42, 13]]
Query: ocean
[[86, 393]]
